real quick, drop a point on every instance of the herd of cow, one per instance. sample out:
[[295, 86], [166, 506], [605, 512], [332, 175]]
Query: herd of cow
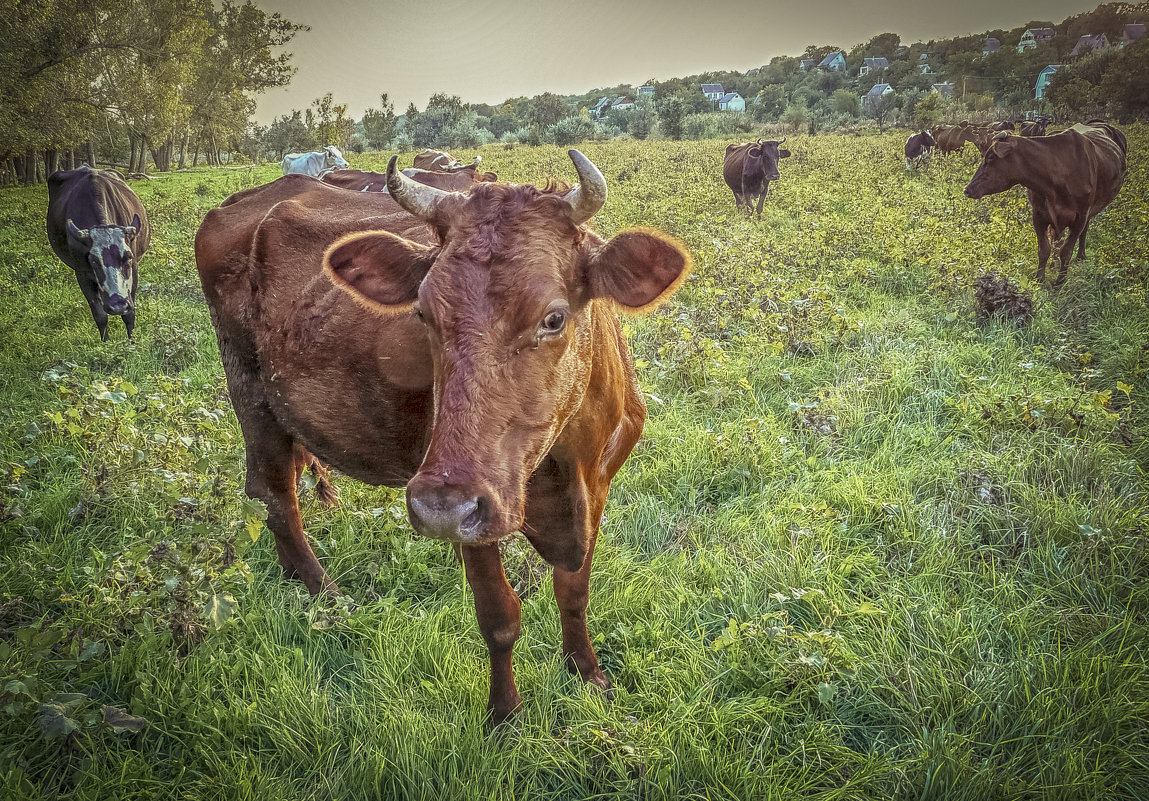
[[435, 329]]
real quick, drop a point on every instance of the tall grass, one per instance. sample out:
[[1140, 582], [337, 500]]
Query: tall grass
[[867, 548]]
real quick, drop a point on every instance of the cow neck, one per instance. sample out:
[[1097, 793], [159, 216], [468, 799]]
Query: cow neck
[[1041, 182]]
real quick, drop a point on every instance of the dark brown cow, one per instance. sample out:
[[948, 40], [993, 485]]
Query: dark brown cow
[[98, 227], [465, 345], [749, 167], [1003, 125], [1035, 127], [453, 180], [1071, 176]]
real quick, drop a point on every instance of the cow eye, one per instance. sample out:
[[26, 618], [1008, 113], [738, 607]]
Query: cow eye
[[554, 322], [419, 314]]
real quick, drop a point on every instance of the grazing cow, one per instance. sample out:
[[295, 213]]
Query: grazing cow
[[455, 180], [748, 169], [317, 164], [465, 345], [440, 161], [918, 147], [952, 138], [1035, 127], [1071, 176], [98, 227], [1003, 125]]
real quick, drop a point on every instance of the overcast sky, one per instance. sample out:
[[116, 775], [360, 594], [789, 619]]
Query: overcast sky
[[488, 51]]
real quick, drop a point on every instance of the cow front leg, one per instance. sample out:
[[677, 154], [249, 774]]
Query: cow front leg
[[92, 296], [761, 198], [497, 610], [1041, 226], [272, 472], [572, 592], [130, 322]]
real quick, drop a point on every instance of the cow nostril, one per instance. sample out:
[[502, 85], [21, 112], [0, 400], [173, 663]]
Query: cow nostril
[[473, 513]]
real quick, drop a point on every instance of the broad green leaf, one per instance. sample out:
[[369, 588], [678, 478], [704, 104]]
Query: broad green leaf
[[55, 722], [826, 693], [220, 608]]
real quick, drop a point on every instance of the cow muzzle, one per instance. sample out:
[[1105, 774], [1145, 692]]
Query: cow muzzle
[[442, 511], [117, 305]]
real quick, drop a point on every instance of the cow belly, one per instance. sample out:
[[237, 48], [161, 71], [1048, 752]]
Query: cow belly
[[372, 433]]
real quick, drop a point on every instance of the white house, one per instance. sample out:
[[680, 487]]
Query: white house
[[1033, 37], [879, 90], [713, 91], [601, 107], [732, 101], [646, 91], [992, 45], [871, 64], [622, 104], [1090, 42]]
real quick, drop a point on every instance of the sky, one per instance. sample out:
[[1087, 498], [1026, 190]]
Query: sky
[[488, 51]]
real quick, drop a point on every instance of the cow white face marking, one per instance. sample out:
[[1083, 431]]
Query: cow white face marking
[[111, 260]]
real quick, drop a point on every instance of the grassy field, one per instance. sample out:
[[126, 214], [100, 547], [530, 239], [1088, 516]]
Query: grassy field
[[869, 548]]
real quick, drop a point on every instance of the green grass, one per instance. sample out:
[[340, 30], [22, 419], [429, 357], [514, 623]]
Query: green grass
[[868, 547]]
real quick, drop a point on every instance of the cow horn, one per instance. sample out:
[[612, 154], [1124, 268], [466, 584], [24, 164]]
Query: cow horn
[[419, 199], [590, 193], [782, 141]]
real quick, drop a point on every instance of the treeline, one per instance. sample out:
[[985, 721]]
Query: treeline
[[126, 82], [1113, 82]]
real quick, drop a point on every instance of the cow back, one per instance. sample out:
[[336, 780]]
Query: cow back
[[89, 198], [733, 164]]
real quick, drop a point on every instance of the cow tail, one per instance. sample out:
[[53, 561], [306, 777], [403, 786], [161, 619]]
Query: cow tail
[[325, 492]]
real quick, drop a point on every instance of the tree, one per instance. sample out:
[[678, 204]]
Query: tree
[[846, 102], [880, 109], [331, 125], [797, 117], [546, 110], [379, 124], [670, 113]]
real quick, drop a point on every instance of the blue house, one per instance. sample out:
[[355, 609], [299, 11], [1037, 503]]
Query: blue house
[[835, 61], [732, 101], [1043, 79]]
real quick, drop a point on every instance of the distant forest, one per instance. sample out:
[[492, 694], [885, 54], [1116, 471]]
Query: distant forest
[[177, 84]]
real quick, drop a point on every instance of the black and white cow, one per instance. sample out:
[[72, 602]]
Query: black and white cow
[[918, 147], [98, 227], [316, 164]]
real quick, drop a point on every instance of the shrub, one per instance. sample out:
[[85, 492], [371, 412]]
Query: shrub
[[571, 131]]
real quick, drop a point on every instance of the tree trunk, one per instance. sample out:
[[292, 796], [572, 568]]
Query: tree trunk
[[92, 153], [184, 148], [51, 161], [30, 168]]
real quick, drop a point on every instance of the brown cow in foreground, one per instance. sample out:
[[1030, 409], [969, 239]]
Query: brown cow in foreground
[[463, 345], [1071, 176], [453, 180]]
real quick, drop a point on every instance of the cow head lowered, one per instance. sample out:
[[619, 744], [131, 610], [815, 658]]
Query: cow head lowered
[[108, 249], [999, 170], [507, 300]]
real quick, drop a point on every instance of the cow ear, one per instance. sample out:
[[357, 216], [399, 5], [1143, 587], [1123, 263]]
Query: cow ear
[[133, 229], [783, 154], [80, 236], [638, 270], [380, 270], [755, 152]]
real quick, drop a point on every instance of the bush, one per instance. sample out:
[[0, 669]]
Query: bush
[[571, 131], [716, 125], [516, 136]]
